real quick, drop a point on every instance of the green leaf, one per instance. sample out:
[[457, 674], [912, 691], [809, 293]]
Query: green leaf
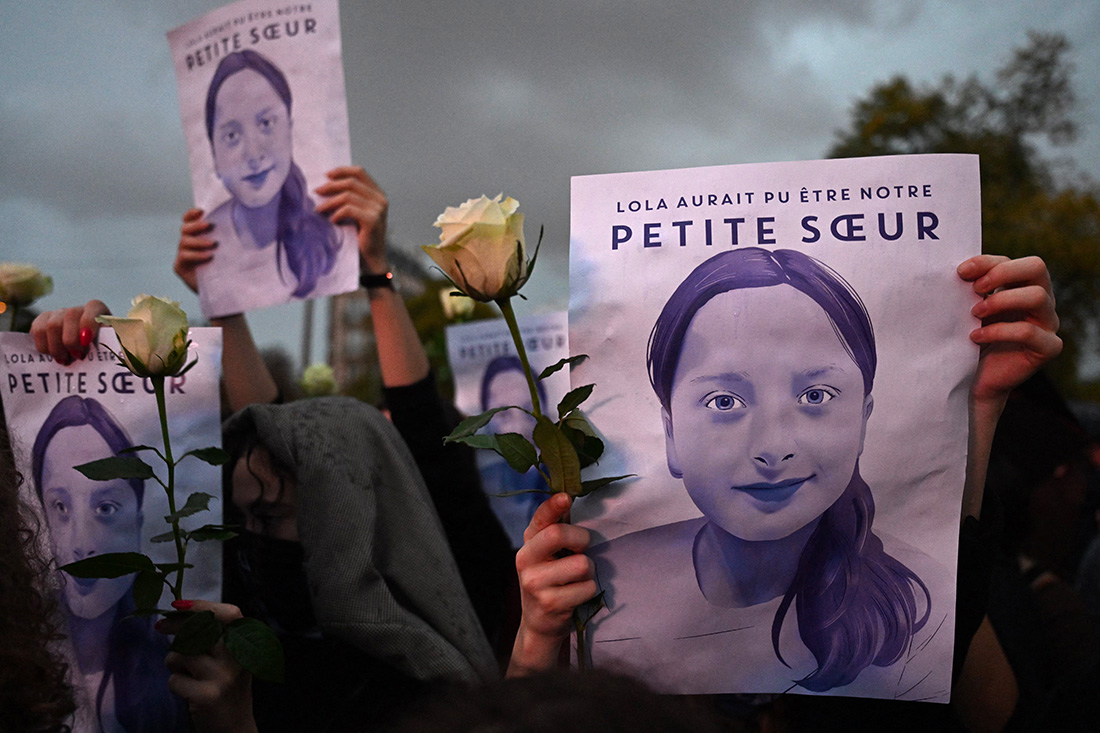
[[567, 361], [197, 502], [148, 585], [116, 467], [198, 634], [167, 537], [171, 567], [212, 532], [471, 425], [136, 449], [109, 565], [587, 487], [572, 400], [256, 648], [518, 451], [589, 448], [213, 456], [559, 456], [486, 441]]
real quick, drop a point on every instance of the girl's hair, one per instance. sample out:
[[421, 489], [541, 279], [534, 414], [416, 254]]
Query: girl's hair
[[74, 412], [135, 652], [504, 364], [34, 692], [855, 604], [308, 239]]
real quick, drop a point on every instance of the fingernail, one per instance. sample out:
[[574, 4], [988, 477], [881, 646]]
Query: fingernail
[[159, 625], [966, 268], [85, 336], [979, 309], [182, 605]]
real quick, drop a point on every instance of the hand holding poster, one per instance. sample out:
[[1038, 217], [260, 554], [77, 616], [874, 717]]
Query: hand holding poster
[[786, 354], [62, 416], [487, 373], [261, 91]]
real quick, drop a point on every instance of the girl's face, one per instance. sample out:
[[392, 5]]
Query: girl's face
[[252, 145], [767, 413], [87, 517], [510, 388], [266, 497]]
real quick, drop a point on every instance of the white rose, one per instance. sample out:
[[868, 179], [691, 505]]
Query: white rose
[[481, 248], [153, 336], [23, 284], [318, 380]]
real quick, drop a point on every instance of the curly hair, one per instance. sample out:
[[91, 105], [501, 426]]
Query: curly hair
[[34, 691]]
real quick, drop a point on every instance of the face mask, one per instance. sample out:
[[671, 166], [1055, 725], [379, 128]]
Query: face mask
[[275, 584]]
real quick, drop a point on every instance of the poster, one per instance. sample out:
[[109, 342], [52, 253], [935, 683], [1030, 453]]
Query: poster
[[781, 355], [487, 374], [261, 93], [61, 416]]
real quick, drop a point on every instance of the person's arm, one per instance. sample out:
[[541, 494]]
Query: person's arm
[[1017, 337], [218, 691], [551, 585], [67, 333], [352, 195], [247, 379]]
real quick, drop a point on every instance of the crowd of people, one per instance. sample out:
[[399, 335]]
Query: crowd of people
[[370, 547]]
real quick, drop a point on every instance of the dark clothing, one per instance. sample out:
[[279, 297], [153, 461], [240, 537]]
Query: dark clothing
[[387, 614], [482, 550]]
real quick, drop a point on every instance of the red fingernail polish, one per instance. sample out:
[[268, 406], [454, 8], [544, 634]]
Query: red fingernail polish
[[85, 336], [182, 605]]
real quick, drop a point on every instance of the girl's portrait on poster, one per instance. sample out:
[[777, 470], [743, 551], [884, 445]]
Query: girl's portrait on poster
[[764, 363], [272, 244]]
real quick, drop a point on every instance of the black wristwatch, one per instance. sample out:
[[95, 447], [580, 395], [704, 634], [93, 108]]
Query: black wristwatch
[[372, 281]]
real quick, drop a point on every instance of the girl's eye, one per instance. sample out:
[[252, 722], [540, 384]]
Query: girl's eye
[[59, 507], [817, 395], [231, 137], [723, 402], [107, 509], [266, 123]]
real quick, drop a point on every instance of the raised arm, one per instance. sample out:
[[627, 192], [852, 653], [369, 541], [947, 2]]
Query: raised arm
[[247, 379], [352, 196], [1017, 337], [552, 584]]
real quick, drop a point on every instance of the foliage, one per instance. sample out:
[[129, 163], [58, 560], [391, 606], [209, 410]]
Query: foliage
[[1031, 203]]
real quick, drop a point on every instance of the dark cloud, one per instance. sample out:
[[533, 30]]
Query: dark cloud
[[451, 100]]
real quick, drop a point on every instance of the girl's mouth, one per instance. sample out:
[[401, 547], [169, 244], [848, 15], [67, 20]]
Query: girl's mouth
[[256, 180], [774, 491], [84, 585]]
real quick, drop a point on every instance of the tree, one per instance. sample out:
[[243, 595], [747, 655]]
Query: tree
[[1031, 204]]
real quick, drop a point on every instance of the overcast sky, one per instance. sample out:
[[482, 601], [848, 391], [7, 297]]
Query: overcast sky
[[449, 100]]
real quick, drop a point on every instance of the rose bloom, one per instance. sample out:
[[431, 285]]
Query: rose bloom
[[23, 284], [318, 380], [481, 248], [153, 336]]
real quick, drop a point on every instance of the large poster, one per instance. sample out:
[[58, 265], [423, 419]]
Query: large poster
[[781, 355], [487, 374], [261, 92], [62, 416]]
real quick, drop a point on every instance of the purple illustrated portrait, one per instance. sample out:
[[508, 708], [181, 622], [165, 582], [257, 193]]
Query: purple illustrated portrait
[[118, 662], [782, 356], [265, 118], [62, 416]]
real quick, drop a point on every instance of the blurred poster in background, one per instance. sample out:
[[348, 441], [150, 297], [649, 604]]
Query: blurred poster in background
[[487, 374]]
